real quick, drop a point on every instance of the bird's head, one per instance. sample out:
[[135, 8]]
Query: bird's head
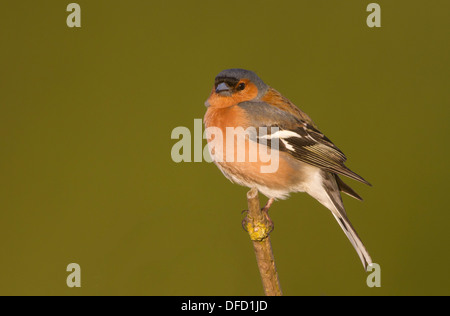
[[233, 86]]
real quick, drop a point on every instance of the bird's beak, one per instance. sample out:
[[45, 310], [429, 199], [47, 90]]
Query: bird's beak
[[222, 87]]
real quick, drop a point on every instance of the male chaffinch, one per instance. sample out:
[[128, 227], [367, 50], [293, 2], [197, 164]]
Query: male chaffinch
[[307, 160]]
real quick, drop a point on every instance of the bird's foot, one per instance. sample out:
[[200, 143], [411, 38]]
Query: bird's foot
[[265, 211], [258, 230]]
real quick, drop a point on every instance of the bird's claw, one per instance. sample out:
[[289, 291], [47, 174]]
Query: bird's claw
[[245, 220]]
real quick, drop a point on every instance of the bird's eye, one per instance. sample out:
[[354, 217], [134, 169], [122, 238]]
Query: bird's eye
[[240, 86]]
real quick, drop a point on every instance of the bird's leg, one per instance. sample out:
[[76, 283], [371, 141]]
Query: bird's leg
[[265, 210], [268, 205]]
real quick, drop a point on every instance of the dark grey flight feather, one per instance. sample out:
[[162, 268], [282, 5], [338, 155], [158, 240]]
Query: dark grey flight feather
[[343, 187]]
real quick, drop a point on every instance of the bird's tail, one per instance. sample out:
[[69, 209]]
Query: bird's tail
[[336, 206], [354, 239]]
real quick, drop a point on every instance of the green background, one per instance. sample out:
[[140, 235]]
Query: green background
[[86, 117]]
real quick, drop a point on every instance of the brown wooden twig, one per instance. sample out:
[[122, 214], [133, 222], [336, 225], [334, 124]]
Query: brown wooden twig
[[259, 227]]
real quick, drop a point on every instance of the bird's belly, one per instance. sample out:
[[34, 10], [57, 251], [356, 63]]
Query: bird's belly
[[289, 176]]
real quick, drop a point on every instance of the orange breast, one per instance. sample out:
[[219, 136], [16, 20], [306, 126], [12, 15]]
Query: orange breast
[[244, 161]]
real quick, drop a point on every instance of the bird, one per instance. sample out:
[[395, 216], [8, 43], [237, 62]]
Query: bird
[[307, 160]]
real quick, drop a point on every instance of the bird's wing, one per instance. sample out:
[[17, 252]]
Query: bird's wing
[[297, 138]]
